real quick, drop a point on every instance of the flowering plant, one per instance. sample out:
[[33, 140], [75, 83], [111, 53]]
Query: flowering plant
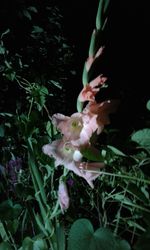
[[70, 182]]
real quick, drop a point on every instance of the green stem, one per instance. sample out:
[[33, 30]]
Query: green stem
[[30, 108], [121, 176], [40, 195], [118, 215], [35, 171], [126, 177], [3, 232]]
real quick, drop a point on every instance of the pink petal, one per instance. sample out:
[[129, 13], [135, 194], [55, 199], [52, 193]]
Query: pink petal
[[90, 90], [98, 81], [90, 60], [70, 127], [61, 122], [90, 171], [102, 110], [62, 152], [99, 52]]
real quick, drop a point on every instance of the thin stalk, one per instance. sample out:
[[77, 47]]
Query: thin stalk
[[30, 108], [40, 195], [121, 176], [119, 213], [35, 172], [3, 232]]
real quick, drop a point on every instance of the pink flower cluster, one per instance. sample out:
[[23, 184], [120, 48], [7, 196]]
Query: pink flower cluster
[[77, 131]]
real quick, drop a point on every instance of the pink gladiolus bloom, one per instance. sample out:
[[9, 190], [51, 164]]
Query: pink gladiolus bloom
[[77, 129], [70, 127], [70, 157], [90, 90], [63, 153], [102, 111], [63, 196]]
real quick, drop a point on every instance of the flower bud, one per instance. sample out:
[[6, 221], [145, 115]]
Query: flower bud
[[63, 196], [77, 156]]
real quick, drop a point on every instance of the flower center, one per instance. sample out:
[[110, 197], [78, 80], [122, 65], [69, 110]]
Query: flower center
[[76, 125], [68, 150]]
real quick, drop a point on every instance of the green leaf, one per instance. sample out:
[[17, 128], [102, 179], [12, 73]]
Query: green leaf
[[92, 44], [3, 232], [148, 105], [27, 244], [92, 154], [34, 244], [39, 95], [8, 211], [57, 84], [5, 246], [2, 50], [2, 131], [10, 74], [101, 238], [123, 245], [143, 242], [101, 13], [60, 234], [27, 14], [49, 170], [82, 236], [12, 226], [33, 9], [115, 150], [85, 78], [39, 244], [142, 137], [37, 29], [49, 128], [135, 190]]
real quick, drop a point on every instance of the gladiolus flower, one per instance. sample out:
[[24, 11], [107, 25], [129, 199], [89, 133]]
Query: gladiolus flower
[[63, 196], [77, 129], [62, 152], [70, 127], [101, 111], [67, 155], [90, 90]]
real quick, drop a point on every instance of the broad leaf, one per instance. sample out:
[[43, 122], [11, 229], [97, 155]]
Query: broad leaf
[[142, 137], [5, 246], [34, 244], [82, 236], [92, 154], [8, 211], [148, 105]]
